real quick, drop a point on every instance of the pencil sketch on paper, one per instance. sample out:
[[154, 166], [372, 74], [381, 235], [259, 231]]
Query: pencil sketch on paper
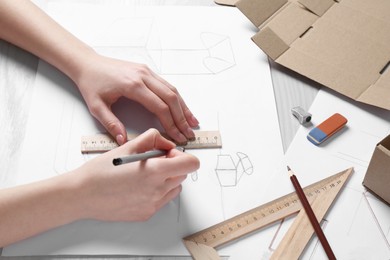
[[281, 229], [228, 172], [63, 138], [382, 223], [215, 56], [140, 41], [194, 176]]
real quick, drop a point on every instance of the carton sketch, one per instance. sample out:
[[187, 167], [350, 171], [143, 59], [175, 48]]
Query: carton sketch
[[228, 172], [143, 43]]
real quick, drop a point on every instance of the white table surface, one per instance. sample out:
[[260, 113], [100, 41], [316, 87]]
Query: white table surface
[[17, 73]]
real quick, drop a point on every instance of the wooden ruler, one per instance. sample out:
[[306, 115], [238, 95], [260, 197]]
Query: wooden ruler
[[321, 194], [104, 142]]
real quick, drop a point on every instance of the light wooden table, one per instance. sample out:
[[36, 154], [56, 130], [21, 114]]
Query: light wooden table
[[17, 73]]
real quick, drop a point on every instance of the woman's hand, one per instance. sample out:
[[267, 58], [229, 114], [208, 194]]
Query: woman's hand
[[103, 80], [97, 190], [133, 191]]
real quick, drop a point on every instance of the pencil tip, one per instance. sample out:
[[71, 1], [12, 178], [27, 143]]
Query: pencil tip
[[288, 168]]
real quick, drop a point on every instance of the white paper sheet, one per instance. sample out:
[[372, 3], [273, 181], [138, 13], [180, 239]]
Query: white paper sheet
[[225, 81], [357, 225]]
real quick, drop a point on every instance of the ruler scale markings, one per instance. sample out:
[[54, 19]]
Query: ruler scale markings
[[264, 215], [104, 142]]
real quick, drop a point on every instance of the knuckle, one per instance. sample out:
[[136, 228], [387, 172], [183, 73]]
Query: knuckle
[[183, 122], [110, 126], [172, 130], [143, 70], [172, 97], [187, 111], [137, 82], [163, 109], [94, 109], [153, 131], [174, 89]]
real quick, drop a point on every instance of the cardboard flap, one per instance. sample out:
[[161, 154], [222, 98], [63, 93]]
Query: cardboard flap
[[378, 172], [270, 43], [385, 143], [378, 94], [384, 150], [342, 44], [319, 7], [288, 25], [260, 10]]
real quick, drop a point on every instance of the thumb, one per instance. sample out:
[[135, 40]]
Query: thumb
[[112, 124]]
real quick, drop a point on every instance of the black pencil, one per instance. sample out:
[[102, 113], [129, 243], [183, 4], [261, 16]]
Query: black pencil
[[309, 211]]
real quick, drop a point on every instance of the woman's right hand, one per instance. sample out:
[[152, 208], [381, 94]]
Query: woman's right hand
[[133, 191]]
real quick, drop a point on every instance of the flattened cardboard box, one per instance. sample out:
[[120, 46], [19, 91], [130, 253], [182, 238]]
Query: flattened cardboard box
[[343, 45], [377, 178]]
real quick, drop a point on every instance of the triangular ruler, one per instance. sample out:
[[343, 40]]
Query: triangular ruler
[[202, 245]]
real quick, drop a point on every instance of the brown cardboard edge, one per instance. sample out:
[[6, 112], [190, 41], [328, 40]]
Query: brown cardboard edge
[[385, 142], [261, 11], [373, 98], [376, 195], [318, 7], [226, 2], [383, 146]]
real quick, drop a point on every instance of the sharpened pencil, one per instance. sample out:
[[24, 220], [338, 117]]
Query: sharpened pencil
[[309, 211]]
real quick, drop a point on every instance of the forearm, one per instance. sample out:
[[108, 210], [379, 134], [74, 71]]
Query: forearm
[[34, 208], [25, 25]]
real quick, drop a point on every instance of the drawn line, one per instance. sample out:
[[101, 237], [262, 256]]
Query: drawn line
[[275, 235], [351, 161], [376, 219]]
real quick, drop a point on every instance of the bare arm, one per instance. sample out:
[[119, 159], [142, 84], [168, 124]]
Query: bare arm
[[30, 209], [101, 80], [97, 190], [25, 25]]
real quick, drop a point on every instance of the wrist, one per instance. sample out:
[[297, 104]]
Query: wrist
[[69, 189], [80, 63]]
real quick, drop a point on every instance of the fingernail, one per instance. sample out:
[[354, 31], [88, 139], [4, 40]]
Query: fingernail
[[120, 140], [194, 121], [190, 134], [181, 139]]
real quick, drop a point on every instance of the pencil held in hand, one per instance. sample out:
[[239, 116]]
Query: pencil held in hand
[[312, 218], [141, 156]]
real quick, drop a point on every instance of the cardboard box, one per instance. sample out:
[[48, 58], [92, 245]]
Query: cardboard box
[[377, 178], [343, 45]]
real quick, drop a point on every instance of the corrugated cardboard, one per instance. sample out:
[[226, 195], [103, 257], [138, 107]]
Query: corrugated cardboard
[[377, 178], [343, 45]]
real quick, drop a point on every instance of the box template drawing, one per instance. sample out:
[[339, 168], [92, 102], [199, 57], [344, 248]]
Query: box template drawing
[[377, 178], [343, 45]]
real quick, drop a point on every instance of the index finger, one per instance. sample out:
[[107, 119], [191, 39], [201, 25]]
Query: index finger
[[177, 163], [147, 141]]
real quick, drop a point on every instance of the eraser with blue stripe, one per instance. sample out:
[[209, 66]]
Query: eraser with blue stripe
[[326, 129]]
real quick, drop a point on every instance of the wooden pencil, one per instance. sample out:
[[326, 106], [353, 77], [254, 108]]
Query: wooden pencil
[[309, 211]]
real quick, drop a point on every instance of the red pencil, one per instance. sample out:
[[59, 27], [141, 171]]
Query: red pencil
[[309, 211]]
